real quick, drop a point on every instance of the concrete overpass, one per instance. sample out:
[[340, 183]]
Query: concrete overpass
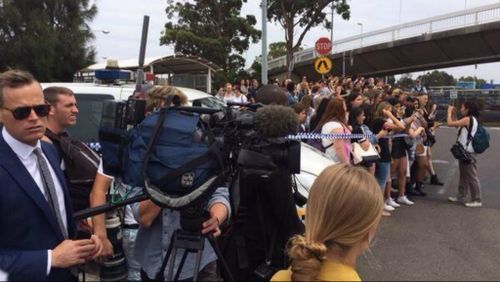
[[461, 38]]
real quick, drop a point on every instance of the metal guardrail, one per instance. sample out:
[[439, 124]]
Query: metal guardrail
[[489, 101], [465, 18]]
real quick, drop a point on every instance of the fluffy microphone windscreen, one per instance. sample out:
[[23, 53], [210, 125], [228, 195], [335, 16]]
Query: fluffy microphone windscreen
[[276, 121]]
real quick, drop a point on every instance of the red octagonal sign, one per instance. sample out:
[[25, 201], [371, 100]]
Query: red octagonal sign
[[323, 46]]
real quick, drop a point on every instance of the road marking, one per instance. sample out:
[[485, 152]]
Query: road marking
[[488, 127], [440, 162]]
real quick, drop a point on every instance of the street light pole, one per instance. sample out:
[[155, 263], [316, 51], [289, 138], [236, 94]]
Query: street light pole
[[264, 42], [361, 25]]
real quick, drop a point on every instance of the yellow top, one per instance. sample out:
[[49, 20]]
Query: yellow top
[[330, 271]]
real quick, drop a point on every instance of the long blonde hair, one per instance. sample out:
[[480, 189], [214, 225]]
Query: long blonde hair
[[345, 203]]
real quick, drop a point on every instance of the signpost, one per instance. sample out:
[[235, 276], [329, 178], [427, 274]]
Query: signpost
[[453, 94], [323, 65], [323, 46]]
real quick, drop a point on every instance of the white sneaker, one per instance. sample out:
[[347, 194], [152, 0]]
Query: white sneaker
[[474, 204], [455, 200], [388, 208], [403, 200], [392, 203]]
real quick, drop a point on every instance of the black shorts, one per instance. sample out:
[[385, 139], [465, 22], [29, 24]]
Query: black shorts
[[398, 148]]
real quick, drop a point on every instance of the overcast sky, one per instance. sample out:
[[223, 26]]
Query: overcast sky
[[124, 19]]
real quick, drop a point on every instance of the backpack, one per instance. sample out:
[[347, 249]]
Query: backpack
[[480, 140], [317, 143], [81, 164], [168, 151]]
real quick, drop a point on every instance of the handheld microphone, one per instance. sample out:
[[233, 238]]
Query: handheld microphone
[[276, 121]]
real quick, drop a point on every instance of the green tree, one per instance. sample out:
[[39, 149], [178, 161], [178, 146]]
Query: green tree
[[405, 81], [213, 30], [391, 80], [256, 70], [297, 17], [438, 78], [278, 49], [49, 38]]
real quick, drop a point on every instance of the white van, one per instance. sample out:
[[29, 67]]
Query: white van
[[90, 99]]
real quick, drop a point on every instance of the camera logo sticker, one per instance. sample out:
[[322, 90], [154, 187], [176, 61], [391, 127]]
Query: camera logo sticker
[[187, 179]]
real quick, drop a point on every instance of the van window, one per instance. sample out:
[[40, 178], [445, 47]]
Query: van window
[[89, 117]]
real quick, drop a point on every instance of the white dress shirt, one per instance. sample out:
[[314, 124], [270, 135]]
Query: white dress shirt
[[26, 155]]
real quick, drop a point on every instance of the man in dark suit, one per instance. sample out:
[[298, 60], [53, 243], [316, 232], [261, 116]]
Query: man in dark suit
[[35, 211]]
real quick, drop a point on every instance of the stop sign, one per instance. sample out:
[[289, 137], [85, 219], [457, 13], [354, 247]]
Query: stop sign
[[323, 46]]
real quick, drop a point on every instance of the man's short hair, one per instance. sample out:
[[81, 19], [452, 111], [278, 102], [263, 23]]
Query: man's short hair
[[51, 94], [271, 95], [13, 79]]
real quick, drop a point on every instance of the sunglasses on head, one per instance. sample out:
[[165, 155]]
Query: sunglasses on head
[[21, 113]]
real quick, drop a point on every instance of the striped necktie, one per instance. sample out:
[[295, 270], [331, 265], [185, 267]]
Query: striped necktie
[[50, 189]]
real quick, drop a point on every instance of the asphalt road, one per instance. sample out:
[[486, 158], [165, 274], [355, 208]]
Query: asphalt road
[[435, 240]]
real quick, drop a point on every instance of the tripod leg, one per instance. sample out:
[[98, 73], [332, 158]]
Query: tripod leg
[[218, 252], [197, 265], [161, 274], [181, 265], [172, 265]]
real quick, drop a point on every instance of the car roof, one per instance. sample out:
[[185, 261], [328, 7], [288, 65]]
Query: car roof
[[119, 92]]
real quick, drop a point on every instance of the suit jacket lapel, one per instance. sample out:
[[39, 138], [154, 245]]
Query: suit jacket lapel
[[10, 161]]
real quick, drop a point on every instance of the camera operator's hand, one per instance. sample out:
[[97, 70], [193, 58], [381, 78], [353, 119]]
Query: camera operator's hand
[[218, 214], [98, 246], [107, 250], [211, 226]]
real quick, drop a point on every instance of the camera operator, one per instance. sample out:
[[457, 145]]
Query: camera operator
[[157, 224], [101, 186], [267, 214]]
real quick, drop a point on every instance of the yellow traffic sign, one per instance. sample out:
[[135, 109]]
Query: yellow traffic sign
[[323, 65]]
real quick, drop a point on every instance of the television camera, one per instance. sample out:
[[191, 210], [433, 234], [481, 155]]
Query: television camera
[[211, 146]]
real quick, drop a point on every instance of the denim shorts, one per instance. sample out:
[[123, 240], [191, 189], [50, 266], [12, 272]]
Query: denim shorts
[[382, 170]]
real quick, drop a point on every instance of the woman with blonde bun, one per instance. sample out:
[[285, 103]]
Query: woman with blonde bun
[[342, 214]]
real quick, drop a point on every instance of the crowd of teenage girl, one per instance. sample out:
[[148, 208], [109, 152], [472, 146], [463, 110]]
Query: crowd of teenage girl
[[381, 113]]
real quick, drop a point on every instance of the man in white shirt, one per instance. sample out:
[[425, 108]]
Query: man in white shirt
[[36, 214], [419, 88]]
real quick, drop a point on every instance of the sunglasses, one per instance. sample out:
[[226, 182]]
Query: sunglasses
[[21, 113]]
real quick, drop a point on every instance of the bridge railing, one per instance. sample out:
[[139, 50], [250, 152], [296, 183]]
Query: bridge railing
[[465, 18]]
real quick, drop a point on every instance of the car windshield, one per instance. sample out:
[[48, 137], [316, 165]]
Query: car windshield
[[209, 102], [91, 107], [89, 118]]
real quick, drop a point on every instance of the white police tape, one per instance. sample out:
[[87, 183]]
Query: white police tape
[[331, 136]]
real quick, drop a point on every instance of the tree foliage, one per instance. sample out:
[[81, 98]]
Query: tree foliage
[[49, 38], [278, 49], [437, 78], [211, 29], [405, 81], [297, 17]]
